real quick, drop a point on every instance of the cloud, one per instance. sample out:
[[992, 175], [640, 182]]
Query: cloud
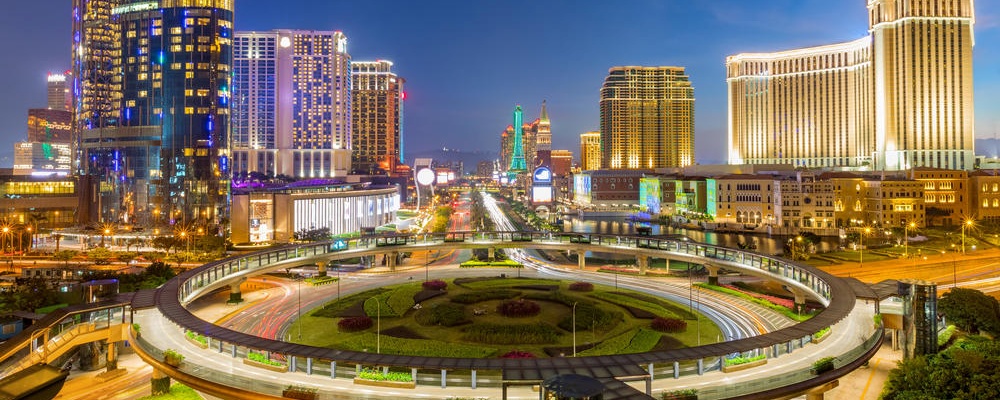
[[783, 16]]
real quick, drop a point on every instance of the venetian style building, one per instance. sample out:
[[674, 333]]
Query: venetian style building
[[647, 118], [590, 151], [900, 97]]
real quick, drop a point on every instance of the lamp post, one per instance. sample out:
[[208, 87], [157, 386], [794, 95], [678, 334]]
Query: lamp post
[[574, 329], [906, 238], [378, 325], [338, 282], [966, 223], [298, 322], [861, 252]]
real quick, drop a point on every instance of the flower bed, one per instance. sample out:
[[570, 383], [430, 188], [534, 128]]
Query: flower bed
[[500, 263], [669, 325], [354, 324], [518, 308], [436, 284], [517, 354], [504, 334], [581, 287]]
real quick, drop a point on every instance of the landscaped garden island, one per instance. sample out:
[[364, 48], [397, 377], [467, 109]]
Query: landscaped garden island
[[504, 317]]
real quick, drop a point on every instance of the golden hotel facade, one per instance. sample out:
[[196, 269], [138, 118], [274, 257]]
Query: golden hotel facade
[[896, 99]]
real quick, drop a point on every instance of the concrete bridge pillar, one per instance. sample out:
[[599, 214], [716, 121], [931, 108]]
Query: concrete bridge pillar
[[713, 274], [800, 300], [235, 295], [159, 383], [816, 393], [492, 253], [391, 260], [322, 268], [643, 263], [581, 259]]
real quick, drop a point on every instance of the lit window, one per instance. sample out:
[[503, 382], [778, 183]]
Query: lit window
[[189, 110]]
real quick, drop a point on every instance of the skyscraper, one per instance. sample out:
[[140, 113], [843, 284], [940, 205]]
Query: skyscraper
[[377, 113], [900, 97], [59, 97], [155, 132], [647, 118], [590, 151], [543, 140], [291, 103]]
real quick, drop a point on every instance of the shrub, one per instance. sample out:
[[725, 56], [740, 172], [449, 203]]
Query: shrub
[[822, 332], [260, 358], [377, 375], [518, 308], [197, 337], [822, 365], [517, 354], [743, 360], [581, 287], [172, 357], [511, 334], [669, 325], [436, 284], [486, 295], [590, 316], [444, 314], [354, 324], [680, 394]]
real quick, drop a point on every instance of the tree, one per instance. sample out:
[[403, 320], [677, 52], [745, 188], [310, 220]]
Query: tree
[[126, 256], [971, 310], [967, 370], [165, 242], [133, 242], [100, 256], [57, 237], [64, 256]]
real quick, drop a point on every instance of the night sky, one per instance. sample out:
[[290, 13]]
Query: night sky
[[467, 63]]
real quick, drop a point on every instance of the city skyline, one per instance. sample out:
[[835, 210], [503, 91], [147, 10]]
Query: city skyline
[[497, 56]]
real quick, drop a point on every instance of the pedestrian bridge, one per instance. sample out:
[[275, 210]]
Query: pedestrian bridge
[[805, 281]]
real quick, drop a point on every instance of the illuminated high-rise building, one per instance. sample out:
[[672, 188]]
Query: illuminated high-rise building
[[155, 132], [590, 151], [543, 139], [377, 112], [291, 103], [59, 97], [647, 118], [898, 98]]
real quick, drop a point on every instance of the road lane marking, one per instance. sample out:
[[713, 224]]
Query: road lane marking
[[870, 376]]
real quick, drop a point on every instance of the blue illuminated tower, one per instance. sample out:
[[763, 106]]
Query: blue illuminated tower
[[517, 164]]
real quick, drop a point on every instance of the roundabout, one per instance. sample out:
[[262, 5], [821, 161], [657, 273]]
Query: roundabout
[[661, 366]]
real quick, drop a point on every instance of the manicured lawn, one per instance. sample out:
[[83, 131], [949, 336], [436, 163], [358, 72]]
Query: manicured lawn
[[489, 334], [177, 392]]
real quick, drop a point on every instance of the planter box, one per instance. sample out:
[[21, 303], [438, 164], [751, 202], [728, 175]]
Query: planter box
[[740, 367], [387, 384], [820, 339], [298, 394], [172, 361], [196, 343], [269, 367], [680, 397]]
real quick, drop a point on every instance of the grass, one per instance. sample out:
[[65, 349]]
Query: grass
[[780, 309], [636, 341], [946, 335], [257, 357], [597, 321], [501, 263], [512, 334], [177, 392], [621, 299]]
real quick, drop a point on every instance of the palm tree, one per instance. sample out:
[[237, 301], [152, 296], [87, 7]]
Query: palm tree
[[57, 237]]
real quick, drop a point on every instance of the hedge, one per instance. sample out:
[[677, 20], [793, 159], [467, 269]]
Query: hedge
[[511, 334], [354, 324], [623, 300], [743, 360], [669, 325], [518, 308], [636, 341], [444, 314], [377, 375], [780, 309], [416, 347], [257, 357], [478, 297]]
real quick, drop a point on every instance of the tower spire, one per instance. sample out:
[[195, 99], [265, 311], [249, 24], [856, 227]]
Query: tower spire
[[517, 163], [545, 113]]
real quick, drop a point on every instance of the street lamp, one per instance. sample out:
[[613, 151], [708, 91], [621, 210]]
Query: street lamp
[[906, 238], [574, 329], [967, 223], [298, 279], [378, 325], [861, 252]]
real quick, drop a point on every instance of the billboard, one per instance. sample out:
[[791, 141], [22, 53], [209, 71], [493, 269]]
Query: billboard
[[542, 175], [581, 188], [541, 194], [649, 195]]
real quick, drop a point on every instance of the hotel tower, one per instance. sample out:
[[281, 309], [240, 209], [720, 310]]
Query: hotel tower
[[647, 118], [898, 98]]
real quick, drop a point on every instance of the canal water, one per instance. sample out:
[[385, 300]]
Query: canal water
[[623, 226]]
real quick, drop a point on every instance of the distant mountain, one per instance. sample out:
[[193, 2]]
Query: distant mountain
[[988, 147], [469, 158]]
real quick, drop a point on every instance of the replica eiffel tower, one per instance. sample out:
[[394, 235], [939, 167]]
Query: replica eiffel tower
[[517, 164]]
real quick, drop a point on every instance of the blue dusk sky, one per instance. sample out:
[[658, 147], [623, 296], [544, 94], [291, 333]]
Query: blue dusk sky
[[468, 62]]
